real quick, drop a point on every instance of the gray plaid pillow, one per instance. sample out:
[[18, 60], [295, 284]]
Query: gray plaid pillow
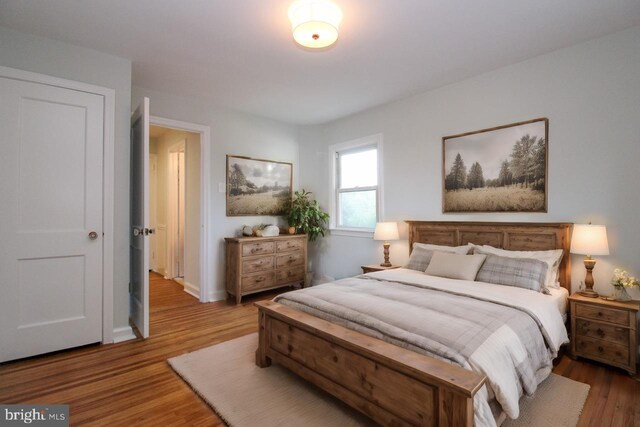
[[419, 259], [524, 273]]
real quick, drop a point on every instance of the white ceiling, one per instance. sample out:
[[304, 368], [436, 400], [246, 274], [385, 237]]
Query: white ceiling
[[239, 54]]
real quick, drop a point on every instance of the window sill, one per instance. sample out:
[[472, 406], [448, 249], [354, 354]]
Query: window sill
[[352, 232]]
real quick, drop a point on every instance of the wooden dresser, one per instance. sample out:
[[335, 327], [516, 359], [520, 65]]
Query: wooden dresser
[[254, 264], [605, 331]]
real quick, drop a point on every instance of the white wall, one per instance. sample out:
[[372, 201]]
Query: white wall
[[231, 133], [590, 93], [45, 56]]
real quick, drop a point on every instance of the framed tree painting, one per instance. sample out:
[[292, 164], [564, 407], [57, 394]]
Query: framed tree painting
[[502, 169], [258, 187]]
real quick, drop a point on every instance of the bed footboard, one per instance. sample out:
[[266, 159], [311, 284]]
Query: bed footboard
[[389, 384]]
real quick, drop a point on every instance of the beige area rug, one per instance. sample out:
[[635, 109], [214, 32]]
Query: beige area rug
[[226, 377]]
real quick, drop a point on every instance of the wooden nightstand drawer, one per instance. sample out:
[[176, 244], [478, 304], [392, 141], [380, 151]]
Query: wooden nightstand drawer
[[254, 265], [606, 351], [257, 248], [372, 268], [591, 329], [604, 330], [258, 281], [610, 315]]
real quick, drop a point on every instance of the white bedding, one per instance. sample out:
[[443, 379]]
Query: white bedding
[[560, 296]]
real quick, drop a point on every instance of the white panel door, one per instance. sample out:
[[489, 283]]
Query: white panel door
[[51, 142], [139, 241]]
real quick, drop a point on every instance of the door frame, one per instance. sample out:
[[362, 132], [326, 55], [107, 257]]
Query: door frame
[[107, 180], [206, 286]]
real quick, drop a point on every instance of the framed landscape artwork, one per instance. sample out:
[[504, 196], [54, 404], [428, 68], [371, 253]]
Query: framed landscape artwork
[[502, 169], [258, 187]]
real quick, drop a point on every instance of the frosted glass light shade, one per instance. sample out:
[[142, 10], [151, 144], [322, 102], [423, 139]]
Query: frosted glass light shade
[[315, 23], [588, 239], [386, 231]]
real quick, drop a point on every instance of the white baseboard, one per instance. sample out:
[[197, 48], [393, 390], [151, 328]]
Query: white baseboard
[[191, 289], [217, 296], [123, 334]]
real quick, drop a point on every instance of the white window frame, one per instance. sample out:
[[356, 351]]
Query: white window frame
[[372, 141]]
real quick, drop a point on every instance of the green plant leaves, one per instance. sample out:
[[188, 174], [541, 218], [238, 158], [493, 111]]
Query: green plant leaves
[[306, 216]]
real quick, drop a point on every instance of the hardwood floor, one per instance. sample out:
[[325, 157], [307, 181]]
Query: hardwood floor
[[131, 383]]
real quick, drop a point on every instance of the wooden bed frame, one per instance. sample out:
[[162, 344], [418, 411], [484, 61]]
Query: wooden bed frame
[[389, 384]]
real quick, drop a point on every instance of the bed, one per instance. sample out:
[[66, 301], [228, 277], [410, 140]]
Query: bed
[[408, 382]]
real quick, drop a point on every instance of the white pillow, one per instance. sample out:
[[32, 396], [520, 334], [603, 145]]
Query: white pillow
[[552, 258], [463, 250], [455, 266]]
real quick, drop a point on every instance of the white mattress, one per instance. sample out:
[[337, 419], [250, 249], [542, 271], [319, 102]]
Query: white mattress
[[560, 296]]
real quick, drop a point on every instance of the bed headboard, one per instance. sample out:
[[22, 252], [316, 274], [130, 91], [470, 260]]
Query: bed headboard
[[515, 236]]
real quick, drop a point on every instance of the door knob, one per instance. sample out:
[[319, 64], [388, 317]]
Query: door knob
[[93, 235]]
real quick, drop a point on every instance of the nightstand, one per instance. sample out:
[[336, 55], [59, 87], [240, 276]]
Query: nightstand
[[605, 331], [376, 267]]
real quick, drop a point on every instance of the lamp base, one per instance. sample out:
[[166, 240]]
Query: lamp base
[[589, 263], [590, 293], [386, 262]]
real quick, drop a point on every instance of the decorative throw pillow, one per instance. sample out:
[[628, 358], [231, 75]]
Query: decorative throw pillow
[[455, 266], [419, 259], [422, 253], [552, 258], [527, 273]]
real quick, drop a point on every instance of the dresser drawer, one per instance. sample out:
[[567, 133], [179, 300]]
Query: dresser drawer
[[603, 350], [290, 260], [257, 248], [290, 245], [290, 275], [258, 281], [254, 265], [610, 315], [591, 329]]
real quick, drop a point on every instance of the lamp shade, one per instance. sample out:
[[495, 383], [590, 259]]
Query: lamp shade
[[315, 22], [588, 239], [386, 231]]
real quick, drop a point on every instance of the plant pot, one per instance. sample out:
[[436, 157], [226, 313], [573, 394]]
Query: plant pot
[[620, 294], [292, 230]]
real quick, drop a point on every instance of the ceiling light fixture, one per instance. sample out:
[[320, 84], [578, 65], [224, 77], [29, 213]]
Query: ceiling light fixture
[[315, 22]]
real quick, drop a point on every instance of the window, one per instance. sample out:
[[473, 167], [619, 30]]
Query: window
[[356, 184]]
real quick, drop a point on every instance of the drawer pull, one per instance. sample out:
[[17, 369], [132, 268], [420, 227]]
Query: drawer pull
[[600, 332], [600, 349], [260, 279], [599, 314]]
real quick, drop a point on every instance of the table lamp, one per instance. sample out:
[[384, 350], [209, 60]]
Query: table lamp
[[386, 231], [588, 239]]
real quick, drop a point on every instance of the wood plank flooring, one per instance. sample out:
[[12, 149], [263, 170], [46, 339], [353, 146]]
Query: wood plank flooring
[[131, 383]]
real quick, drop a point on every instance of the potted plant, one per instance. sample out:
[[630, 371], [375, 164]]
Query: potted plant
[[306, 216]]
